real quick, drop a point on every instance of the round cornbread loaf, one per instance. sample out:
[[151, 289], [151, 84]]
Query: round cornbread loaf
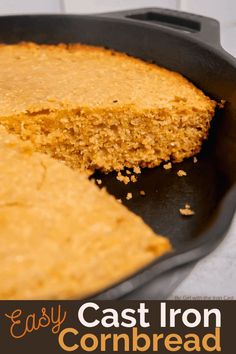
[[96, 108]]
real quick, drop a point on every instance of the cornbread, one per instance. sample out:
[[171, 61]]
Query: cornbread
[[137, 170], [167, 166], [99, 109], [181, 173], [133, 179], [61, 236], [122, 178], [186, 211], [129, 196]]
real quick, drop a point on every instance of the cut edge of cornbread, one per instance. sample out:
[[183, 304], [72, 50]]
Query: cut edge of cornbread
[[125, 140]]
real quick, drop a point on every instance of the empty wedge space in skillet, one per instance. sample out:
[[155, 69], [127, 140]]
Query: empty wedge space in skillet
[[96, 108], [61, 236]]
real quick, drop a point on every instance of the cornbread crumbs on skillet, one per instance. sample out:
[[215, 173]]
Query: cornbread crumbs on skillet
[[122, 178], [93, 109], [167, 166], [186, 211], [133, 179], [61, 236], [181, 173], [129, 196], [137, 170]]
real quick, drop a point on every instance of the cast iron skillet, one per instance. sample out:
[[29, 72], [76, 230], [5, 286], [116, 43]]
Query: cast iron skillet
[[190, 45]]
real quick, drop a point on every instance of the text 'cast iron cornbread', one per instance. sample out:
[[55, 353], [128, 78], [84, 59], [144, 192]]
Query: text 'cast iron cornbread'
[[95, 108], [60, 235]]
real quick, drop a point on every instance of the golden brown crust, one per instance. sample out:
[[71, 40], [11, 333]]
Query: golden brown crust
[[75, 47], [107, 71]]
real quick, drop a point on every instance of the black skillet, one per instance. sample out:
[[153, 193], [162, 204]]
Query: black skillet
[[190, 45]]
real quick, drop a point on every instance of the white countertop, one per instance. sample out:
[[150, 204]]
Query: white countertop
[[215, 275]]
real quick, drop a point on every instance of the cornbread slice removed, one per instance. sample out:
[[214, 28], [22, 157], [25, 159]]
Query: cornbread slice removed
[[61, 236], [96, 108]]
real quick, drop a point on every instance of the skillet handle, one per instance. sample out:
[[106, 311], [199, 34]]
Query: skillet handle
[[203, 28]]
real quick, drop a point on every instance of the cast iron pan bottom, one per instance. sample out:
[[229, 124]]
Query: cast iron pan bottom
[[166, 193]]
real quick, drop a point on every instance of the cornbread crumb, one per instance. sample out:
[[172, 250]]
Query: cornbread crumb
[[142, 193], [99, 181], [181, 173], [167, 166], [119, 200], [133, 179], [122, 178], [128, 172], [137, 169], [129, 196], [186, 211], [195, 159], [221, 104]]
